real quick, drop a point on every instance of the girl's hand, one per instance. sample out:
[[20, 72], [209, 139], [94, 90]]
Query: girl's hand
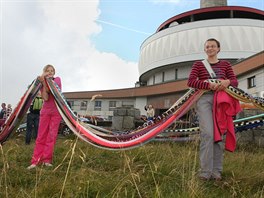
[[43, 76]]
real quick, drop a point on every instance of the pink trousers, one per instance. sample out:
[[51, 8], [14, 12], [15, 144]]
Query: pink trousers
[[47, 134]]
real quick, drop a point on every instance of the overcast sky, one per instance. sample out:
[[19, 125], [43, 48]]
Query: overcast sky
[[94, 45]]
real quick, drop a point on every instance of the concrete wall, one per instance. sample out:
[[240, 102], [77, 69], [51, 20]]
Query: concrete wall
[[252, 136]]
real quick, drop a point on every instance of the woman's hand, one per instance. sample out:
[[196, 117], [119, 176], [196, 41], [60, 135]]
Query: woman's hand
[[214, 86], [223, 84]]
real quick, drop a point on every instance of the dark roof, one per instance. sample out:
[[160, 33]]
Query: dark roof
[[214, 13]]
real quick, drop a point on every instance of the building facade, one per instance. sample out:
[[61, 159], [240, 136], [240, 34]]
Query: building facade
[[166, 58]]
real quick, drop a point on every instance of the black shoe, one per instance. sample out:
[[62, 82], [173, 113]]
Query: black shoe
[[219, 178], [216, 177]]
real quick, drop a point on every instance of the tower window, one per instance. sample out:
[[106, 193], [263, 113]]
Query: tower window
[[176, 74], [163, 76]]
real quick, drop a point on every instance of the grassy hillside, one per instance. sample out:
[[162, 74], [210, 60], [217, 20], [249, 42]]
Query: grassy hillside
[[157, 169]]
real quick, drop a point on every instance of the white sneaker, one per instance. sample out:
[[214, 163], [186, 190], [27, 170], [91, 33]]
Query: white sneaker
[[31, 166], [48, 164]]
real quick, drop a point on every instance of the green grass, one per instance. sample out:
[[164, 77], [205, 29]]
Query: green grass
[[157, 169]]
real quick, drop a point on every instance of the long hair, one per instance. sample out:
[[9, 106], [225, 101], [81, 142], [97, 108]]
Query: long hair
[[48, 66]]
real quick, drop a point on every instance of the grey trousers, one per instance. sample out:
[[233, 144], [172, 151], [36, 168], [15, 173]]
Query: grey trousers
[[211, 153]]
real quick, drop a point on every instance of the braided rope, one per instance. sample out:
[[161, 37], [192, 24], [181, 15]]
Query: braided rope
[[127, 139], [17, 115], [146, 132]]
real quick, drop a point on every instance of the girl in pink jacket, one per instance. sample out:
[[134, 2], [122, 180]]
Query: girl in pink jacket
[[48, 124]]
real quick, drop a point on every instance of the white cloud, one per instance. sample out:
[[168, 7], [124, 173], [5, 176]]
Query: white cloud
[[77, 17], [35, 34]]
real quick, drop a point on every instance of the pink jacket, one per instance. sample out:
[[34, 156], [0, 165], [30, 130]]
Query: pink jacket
[[49, 105], [224, 108]]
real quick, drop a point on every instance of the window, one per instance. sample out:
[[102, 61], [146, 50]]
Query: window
[[112, 105], [163, 76], [251, 82], [153, 79], [167, 103], [83, 105], [176, 74], [97, 105], [127, 104]]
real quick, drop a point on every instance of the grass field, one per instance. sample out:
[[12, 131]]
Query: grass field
[[157, 169]]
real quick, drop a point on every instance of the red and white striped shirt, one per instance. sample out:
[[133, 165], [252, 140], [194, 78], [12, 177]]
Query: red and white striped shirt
[[199, 74]]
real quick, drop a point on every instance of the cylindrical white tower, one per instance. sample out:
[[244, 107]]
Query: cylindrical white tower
[[212, 3], [168, 54]]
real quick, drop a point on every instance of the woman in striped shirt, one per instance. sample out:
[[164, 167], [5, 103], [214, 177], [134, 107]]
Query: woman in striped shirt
[[211, 153]]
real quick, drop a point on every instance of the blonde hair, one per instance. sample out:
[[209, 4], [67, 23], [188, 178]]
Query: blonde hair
[[48, 66]]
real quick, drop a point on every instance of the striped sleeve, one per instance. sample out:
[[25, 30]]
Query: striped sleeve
[[230, 75], [197, 76]]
